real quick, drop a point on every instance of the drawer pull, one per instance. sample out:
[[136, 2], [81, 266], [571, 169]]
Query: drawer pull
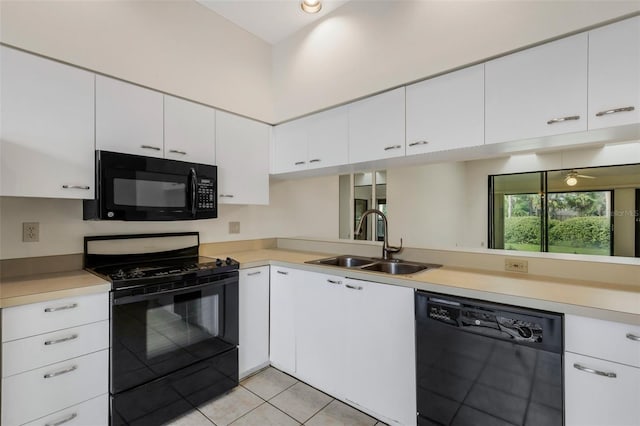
[[61, 308], [175, 151], [353, 287], [334, 281], [251, 274], [562, 119], [61, 340], [615, 110], [419, 143], [315, 160], [85, 187], [592, 371], [388, 148], [282, 272], [63, 421], [633, 337], [298, 163], [226, 195], [60, 372], [155, 148]]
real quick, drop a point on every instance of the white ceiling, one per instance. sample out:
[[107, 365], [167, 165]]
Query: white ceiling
[[271, 20]]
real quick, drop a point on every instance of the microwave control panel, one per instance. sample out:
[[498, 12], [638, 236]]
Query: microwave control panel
[[206, 194]]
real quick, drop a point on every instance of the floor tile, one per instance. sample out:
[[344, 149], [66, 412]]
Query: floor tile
[[339, 414], [301, 401], [193, 418], [268, 383], [227, 408], [265, 415]]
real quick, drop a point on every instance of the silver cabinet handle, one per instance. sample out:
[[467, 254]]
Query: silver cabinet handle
[[155, 148], [62, 421], [175, 151], [61, 340], [387, 148], [334, 281], [615, 110], [85, 187], [562, 119], [282, 272], [61, 308], [298, 163], [419, 143], [592, 371], [226, 195], [633, 337], [61, 372], [315, 160], [251, 274], [353, 287]]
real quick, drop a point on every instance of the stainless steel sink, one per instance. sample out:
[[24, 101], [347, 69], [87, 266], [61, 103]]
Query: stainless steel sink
[[344, 261], [392, 267]]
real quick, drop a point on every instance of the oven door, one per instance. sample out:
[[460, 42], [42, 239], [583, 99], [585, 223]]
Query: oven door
[[160, 329]]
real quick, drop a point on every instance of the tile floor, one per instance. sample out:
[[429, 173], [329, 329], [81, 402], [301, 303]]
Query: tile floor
[[272, 397]]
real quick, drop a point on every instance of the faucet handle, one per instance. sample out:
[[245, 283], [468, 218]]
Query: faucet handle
[[392, 249]]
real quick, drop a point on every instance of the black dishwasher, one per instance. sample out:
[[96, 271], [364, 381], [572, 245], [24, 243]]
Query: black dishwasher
[[487, 364]]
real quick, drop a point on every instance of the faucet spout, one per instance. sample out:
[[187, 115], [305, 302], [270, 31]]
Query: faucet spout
[[387, 250]]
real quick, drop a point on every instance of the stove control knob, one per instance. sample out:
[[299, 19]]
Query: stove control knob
[[228, 261], [218, 262]]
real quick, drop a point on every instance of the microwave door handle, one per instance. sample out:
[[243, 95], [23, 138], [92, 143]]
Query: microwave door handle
[[194, 191]]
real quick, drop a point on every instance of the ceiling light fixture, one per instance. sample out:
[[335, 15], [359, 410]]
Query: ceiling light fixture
[[311, 6], [571, 180]]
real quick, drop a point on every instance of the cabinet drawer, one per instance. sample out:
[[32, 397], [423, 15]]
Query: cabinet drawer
[[94, 412], [614, 341], [39, 392], [593, 399], [37, 318], [44, 349]]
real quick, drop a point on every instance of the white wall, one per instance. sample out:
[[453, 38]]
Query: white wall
[[294, 211], [176, 46], [368, 46]]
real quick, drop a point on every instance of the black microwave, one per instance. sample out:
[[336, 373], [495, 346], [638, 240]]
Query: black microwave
[[138, 188]]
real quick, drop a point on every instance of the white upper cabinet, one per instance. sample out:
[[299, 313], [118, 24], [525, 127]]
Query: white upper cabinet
[[376, 127], [328, 138], [129, 118], [614, 74], [290, 146], [47, 131], [537, 92], [242, 153], [446, 112], [189, 131]]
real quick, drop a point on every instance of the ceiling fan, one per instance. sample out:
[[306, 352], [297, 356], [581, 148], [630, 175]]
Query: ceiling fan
[[572, 176]]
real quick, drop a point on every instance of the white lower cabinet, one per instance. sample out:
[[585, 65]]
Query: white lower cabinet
[[595, 397], [253, 350], [282, 338]]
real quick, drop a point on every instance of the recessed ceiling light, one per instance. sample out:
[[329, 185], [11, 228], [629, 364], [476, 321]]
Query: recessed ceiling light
[[311, 6]]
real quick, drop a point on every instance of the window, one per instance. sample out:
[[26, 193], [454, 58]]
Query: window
[[566, 211]]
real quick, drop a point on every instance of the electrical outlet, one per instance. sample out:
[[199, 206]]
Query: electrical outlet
[[30, 232], [516, 265], [234, 227]]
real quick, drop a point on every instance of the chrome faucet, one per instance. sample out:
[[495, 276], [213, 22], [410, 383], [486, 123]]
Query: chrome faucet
[[387, 250]]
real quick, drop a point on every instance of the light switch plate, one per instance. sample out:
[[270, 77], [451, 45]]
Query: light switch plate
[[234, 227], [30, 232]]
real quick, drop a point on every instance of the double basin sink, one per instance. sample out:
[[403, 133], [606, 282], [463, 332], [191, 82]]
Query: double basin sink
[[393, 267]]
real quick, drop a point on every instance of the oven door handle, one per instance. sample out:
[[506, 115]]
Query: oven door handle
[[147, 296], [194, 190]]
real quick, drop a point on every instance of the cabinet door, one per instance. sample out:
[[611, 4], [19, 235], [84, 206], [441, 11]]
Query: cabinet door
[[128, 118], [381, 349], [376, 127], [614, 74], [290, 146], [328, 138], [189, 131], [253, 351], [594, 400], [242, 152], [446, 112], [47, 131], [537, 92], [282, 350], [320, 332]]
